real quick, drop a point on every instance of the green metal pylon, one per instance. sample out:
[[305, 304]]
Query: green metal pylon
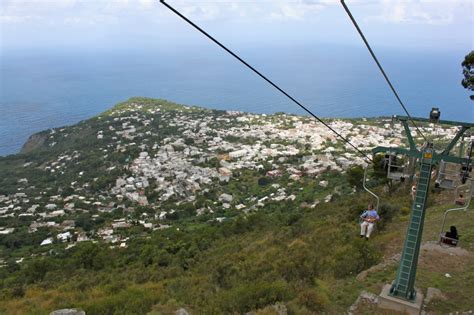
[[403, 286]]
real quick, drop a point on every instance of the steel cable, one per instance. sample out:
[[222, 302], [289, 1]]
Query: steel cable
[[263, 77]]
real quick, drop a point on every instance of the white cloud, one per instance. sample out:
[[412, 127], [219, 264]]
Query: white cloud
[[298, 10], [203, 12], [434, 12], [70, 11], [13, 19], [108, 11]]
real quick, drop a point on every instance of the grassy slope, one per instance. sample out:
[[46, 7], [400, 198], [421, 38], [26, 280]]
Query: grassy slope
[[434, 265], [308, 264]]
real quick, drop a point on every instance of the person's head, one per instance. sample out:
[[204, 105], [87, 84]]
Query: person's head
[[370, 206], [461, 196], [453, 229]]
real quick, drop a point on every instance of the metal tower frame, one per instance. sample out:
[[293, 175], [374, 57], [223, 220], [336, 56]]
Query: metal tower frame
[[404, 285]]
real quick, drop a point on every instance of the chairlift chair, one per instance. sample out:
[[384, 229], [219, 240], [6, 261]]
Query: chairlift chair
[[467, 190], [377, 199], [466, 172], [448, 175], [395, 170], [466, 168], [435, 115]]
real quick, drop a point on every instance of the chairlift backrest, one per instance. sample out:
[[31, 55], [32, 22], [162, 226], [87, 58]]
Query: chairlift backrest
[[449, 175], [395, 169], [466, 187], [462, 190]]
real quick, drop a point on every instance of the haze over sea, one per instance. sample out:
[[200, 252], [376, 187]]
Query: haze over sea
[[46, 89]]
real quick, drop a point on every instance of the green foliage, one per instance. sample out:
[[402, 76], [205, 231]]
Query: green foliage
[[387, 213], [253, 295], [355, 257], [90, 256], [355, 175], [263, 181], [314, 299], [84, 221], [379, 167], [467, 67], [37, 269], [127, 301], [22, 238], [242, 264]]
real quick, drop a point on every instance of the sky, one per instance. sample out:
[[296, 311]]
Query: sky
[[121, 25]]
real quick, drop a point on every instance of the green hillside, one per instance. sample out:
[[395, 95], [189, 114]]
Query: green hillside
[[279, 232], [305, 259]]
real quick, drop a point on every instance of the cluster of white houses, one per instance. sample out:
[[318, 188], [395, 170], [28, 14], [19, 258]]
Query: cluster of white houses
[[205, 150]]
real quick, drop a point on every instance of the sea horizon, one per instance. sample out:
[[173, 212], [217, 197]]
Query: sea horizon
[[45, 89]]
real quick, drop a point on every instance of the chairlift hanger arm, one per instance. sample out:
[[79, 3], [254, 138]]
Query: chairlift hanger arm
[[368, 190], [455, 140], [464, 208], [411, 142]]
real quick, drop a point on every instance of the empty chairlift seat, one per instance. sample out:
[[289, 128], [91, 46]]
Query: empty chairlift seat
[[448, 175], [396, 169]]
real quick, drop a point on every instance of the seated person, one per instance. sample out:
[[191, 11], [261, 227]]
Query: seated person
[[461, 201], [368, 217], [413, 191], [451, 237]]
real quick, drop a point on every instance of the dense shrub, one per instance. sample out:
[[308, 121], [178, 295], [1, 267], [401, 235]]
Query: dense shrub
[[263, 181], [355, 176], [355, 257], [250, 296], [314, 299], [128, 301], [387, 213]]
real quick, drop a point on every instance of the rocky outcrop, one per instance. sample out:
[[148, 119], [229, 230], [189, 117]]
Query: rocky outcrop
[[433, 294], [35, 141], [68, 311], [364, 297], [181, 311], [277, 309]]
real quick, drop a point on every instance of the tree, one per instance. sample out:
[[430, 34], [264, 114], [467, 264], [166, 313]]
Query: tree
[[263, 181], [355, 176], [468, 72], [84, 221], [90, 256]]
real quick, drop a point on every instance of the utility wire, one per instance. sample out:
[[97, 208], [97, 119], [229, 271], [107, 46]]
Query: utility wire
[[263, 77], [380, 67]]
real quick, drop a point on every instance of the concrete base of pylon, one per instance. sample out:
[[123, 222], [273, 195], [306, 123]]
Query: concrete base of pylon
[[388, 302]]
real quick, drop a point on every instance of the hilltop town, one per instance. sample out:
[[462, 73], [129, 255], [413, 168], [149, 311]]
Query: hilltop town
[[148, 165]]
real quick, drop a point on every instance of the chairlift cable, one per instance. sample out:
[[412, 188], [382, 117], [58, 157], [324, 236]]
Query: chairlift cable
[[380, 67], [263, 77]]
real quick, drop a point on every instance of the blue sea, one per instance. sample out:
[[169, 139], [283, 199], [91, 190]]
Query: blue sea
[[45, 89]]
